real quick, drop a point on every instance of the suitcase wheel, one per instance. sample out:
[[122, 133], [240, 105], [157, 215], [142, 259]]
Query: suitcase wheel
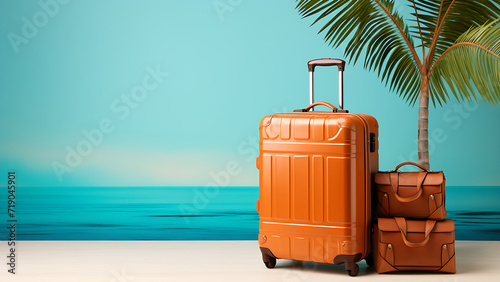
[[268, 258], [351, 266], [354, 271], [271, 263]]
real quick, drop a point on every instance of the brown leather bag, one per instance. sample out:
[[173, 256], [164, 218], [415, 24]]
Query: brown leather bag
[[401, 244], [411, 194]]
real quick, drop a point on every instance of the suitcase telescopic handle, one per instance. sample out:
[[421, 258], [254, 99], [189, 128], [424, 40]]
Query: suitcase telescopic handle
[[311, 65]]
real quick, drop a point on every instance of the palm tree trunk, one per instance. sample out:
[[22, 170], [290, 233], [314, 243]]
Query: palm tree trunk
[[423, 124]]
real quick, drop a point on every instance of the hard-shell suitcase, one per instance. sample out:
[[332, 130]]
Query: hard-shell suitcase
[[315, 179]]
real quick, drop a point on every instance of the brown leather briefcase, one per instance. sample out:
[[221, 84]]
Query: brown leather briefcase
[[411, 194], [401, 244]]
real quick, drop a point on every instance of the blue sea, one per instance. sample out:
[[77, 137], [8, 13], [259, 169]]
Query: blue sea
[[190, 213]]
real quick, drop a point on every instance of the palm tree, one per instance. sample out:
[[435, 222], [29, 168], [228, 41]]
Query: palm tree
[[459, 41]]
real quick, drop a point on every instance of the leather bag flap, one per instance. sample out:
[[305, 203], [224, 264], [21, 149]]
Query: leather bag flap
[[410, 178], [415, 226]]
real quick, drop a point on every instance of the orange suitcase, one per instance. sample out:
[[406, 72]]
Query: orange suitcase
[[315, 179]]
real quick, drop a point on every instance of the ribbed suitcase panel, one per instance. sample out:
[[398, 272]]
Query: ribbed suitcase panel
[[281, 190], [338, 188], [300, 188], [318, 193]]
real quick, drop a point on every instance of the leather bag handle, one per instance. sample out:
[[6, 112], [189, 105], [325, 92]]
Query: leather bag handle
[[429, 226], [394, 177], [410, 163]]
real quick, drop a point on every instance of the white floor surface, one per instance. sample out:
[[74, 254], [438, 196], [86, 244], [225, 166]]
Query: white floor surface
[[135, 261]]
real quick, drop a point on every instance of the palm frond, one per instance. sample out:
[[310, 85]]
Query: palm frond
[[443, 21], [375, 28], [425, 16], [417, 30], [471, 64]]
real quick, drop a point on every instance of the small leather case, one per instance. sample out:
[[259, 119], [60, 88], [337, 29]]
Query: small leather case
[[401, 244], [411, 194]]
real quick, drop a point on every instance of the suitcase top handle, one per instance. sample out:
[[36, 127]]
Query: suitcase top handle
[[311, 65], [332, 107], [429, 226], [410, 163]]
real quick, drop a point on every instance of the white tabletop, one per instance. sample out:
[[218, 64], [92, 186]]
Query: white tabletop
[[134, 261]]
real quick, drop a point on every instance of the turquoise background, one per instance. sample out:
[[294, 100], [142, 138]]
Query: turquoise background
[[226, 71], [229, 63], [192, 213]]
